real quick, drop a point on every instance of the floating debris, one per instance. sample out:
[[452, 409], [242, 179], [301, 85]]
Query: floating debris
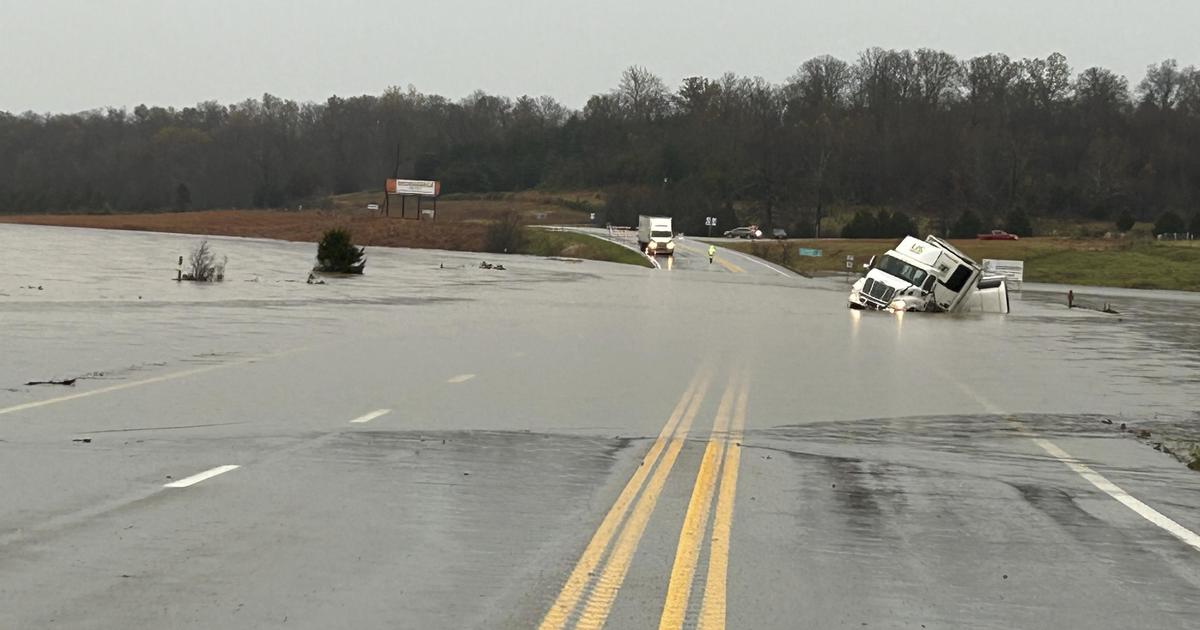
[[69, 382]]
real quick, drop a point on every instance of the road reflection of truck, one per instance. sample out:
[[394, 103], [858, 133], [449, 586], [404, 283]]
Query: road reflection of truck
[[655, 235], [930, 275]]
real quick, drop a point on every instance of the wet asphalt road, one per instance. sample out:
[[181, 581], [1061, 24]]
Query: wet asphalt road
[[577, 445]]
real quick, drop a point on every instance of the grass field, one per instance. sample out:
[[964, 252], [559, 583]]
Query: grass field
[[1096, 262], [573, 245]]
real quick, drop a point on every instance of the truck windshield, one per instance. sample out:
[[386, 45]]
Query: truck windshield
[[660, 234], [900, 269]]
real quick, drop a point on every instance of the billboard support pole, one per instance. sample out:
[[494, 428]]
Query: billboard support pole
[[405, 188]]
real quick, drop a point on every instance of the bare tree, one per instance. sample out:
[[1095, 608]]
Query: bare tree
[[1160, 88], [641, 94], [1047, 82], [201, 262], [990, 79], [204, 266], [1098, 87], [1189, 91], [820, 83], [553, 113], [939, 76]]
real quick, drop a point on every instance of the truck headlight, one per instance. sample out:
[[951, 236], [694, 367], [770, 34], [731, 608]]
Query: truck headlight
[[671, 245], [653, 245]]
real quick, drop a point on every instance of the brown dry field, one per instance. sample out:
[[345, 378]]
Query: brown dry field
[[533, 206], [288, 226], [460, 226]]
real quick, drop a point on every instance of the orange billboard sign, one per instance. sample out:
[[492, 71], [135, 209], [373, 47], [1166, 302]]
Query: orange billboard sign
[[423, 188]]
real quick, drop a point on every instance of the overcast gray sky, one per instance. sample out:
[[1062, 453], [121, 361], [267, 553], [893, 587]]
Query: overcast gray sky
[[60, 56]]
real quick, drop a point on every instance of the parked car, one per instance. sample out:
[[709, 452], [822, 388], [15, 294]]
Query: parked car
[[744, 232], [997, 235], [779, 233]]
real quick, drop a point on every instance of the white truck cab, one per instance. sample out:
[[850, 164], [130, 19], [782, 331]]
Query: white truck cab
[[655, 235], [928, 275]]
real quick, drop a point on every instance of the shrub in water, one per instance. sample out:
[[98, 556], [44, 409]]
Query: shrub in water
[[204, 266], [336, 253]]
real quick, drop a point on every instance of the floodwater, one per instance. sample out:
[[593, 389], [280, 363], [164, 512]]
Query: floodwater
[[884, 480], [101, 304], [108, 305]]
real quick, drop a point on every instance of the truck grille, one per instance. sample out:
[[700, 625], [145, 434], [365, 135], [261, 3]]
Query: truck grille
[[878, 292]]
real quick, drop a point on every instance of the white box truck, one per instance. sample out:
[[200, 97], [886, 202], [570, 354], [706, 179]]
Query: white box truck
[[928, 275], [655, 235]]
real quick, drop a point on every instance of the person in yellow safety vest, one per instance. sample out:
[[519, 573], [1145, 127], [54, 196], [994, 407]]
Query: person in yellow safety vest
[[712, 252]]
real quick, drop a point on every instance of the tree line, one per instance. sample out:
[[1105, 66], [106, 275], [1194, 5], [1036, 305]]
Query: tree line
[[986, 141]]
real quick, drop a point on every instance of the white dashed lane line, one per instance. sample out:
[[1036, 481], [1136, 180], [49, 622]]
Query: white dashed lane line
[[461, 378], [370, 416], [195, 479]]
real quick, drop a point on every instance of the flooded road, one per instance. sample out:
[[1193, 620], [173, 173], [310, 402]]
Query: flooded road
[[576, 444]]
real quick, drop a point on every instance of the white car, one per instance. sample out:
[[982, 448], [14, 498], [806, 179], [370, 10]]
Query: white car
[[744, 232]]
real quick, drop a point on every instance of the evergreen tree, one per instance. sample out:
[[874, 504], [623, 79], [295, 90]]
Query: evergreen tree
[[336, 253], [967, 226], [863, 225], [1017, 222], [900, 225], [1169, 223], [1125, 221]]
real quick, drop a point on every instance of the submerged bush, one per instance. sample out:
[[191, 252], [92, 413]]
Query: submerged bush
[[336, 253], [203, 265]]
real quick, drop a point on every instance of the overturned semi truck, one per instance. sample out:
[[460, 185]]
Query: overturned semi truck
[[928, 275]]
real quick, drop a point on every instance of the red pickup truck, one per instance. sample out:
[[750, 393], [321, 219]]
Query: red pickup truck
[[997, 235]]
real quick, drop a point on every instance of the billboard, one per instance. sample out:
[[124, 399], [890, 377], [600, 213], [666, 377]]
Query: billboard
[[1013, 270], [420, 187]]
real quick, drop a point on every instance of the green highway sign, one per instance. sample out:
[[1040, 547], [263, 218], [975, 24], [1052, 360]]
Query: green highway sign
[[808, 251]]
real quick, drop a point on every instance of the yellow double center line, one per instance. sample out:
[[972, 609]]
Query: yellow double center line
[[604, 591], [722, 457], [599, 578]]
